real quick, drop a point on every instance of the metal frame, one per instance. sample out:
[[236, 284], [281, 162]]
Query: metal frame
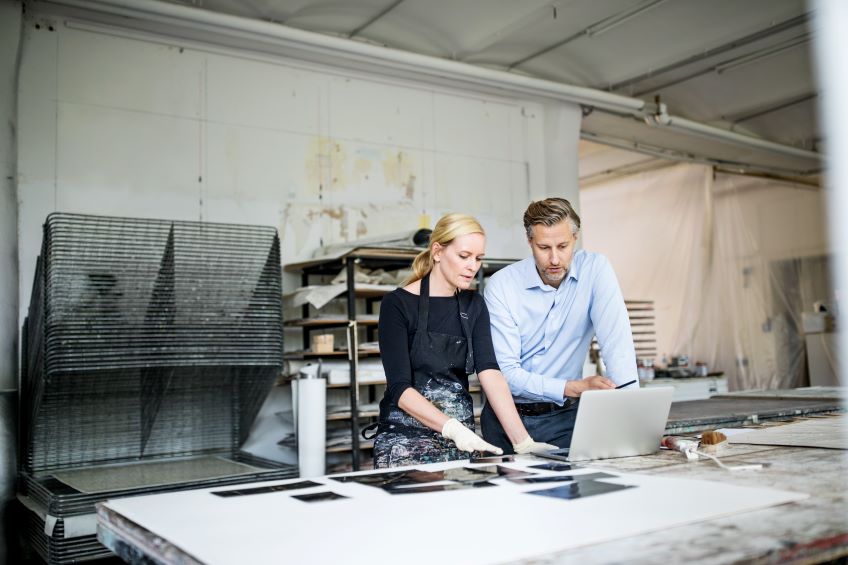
[[384, 258]]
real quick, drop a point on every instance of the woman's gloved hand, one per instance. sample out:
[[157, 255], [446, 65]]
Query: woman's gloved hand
[[527, 445], [465, 439]]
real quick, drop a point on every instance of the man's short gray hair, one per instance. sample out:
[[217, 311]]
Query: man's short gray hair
[[549, 212]]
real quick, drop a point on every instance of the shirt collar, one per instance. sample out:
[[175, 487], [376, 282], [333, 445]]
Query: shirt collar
[[532, 279], [576, 264]]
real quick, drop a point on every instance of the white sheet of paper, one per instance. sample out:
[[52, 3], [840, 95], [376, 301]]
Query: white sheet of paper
[[373, 526], [730, 432], [817, 432]]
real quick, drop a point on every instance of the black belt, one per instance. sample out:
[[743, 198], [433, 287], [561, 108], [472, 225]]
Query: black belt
[[540, 408]]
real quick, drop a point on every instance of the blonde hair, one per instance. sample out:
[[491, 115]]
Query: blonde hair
[[448, 228]]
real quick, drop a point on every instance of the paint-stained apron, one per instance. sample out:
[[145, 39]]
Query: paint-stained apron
[[441, 364]]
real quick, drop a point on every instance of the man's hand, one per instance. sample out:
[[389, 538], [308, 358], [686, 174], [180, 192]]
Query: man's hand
[[576, 388]]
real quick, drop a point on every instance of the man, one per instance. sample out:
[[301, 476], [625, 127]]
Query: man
[[544, 311]]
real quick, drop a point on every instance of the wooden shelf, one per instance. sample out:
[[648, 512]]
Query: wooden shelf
[[472, 388], [296, 355], [347, 448], [363, 291], [328, 322], [404, 255], [346, 385], [346, 415]]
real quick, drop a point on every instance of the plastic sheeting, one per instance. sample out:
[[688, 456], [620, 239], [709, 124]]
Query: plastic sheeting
[[730, 261]]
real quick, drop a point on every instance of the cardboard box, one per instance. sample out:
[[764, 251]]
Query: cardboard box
[[322, 343]]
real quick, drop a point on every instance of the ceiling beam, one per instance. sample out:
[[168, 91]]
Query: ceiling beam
[[763, 53], [686, 156], [786, 103], [379, 15], [593, 30], [535, 16], [734, 62], [736, 43]]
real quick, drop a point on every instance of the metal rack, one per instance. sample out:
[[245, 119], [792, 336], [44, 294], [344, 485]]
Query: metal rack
[[368, 258], [148, 349]]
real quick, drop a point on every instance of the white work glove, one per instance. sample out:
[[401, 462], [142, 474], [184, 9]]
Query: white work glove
[[527, 445], [465, 439]]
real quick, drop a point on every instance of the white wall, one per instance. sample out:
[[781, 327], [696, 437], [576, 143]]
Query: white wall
[[144, 126]]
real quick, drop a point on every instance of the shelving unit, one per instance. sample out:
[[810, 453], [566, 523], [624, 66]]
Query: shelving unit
[[366, 258], [640, 314], [642, 324], [310, 321]]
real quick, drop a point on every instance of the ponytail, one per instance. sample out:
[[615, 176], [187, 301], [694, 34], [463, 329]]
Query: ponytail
[[421, 266]]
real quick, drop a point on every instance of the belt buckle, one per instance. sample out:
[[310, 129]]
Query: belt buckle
[[526, 409]]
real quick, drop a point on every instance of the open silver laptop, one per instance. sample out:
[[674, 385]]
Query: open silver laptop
[[617, 423]]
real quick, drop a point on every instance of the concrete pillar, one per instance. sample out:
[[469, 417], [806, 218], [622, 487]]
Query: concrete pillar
[[561, 140], [10, 34]]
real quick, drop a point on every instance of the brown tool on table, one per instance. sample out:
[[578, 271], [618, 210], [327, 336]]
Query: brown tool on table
[[709, 441], [712, 440]]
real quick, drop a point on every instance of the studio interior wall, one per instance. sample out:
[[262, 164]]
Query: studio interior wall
[[136, 125], [730, 261]]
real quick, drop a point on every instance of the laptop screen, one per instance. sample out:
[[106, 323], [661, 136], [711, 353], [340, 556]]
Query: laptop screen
[[618, 423]]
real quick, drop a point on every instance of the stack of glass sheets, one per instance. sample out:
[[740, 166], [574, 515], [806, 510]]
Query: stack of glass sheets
[[148, 349]]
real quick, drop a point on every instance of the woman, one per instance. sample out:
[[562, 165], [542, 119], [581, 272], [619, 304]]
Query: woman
[[434, 332]]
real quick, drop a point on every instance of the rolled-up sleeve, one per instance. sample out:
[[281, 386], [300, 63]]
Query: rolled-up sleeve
[[612, 326]]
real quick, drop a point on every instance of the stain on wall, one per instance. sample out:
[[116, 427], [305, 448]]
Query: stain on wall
[[398, 171], [350, 179], [326, 165]]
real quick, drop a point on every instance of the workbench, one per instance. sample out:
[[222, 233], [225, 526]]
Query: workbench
[[814, 530], [811, 530]]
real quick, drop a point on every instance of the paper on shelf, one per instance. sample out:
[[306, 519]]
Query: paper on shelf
[[370, 371], [316, 295]]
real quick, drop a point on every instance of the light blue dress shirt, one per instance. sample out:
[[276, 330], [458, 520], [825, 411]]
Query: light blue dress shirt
[[542, 334]]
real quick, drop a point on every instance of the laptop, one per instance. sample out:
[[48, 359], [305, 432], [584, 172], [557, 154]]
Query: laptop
[[617, 423]]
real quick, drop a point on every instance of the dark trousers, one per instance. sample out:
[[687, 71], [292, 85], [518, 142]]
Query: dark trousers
[[554, 428]]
